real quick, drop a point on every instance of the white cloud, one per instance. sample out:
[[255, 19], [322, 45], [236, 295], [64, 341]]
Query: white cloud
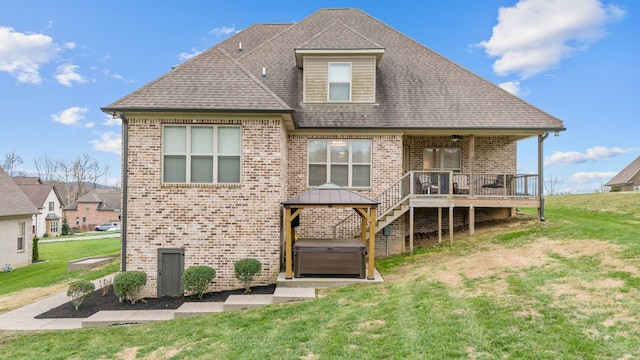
[[592, 154], [66, 74], [591, 177], [535, 35], [111, 121], [108, 142], [514, 88], [71, 116], [70, 45], [224, 30], [183, 56], [22, 54]]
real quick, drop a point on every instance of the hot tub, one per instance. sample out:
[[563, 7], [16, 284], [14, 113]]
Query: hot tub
[[329, 257]]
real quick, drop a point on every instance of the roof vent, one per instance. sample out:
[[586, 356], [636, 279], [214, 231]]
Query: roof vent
[[239, 46], [264, 72]]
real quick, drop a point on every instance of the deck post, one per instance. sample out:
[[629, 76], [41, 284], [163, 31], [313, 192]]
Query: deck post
[[411, 225], [472, 220], [451, 225], [372, 243], [472, 156], [288, 250], [439, 225], [363, 231]]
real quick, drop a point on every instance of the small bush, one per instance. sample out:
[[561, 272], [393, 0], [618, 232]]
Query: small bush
[[80, 290], [246, 271], [196, 279], [35, 253], [616, 188], [65, 227], [127, 285], [45, 235]]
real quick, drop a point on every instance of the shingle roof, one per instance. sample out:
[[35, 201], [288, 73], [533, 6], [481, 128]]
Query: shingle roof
[[416, 88], [12, 200], [625, 176], [37, 193], [109, 199]]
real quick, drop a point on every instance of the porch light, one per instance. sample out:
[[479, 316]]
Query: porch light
[[456, 138]]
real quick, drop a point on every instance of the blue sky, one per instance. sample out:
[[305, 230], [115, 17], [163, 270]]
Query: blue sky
[[578, 60]]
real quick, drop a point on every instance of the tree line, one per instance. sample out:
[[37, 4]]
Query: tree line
[[75, 177]]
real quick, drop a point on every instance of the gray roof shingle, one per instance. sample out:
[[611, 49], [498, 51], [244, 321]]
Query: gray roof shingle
[[625, 176], [12, 200], [416, 88]]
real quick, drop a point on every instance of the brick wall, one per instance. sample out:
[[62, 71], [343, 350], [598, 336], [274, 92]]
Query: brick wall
[[216, 225]]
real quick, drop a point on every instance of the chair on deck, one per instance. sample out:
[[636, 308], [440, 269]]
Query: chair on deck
[[501, 181], [426, 185]]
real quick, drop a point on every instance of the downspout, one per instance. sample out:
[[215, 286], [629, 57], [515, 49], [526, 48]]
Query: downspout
[[125, 177], [541, 173]]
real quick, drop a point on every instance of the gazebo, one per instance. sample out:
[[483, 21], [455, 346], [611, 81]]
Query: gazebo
[[331, 196]]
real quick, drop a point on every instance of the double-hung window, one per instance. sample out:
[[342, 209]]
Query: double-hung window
[[339, 82], [201, 154], [51, 206], [21, 236], [342, 162]]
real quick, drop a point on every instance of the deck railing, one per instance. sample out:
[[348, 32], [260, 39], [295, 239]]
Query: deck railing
[[445, 184]]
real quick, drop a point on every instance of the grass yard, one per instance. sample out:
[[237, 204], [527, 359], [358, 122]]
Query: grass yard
[[565, 289], [54, 270]]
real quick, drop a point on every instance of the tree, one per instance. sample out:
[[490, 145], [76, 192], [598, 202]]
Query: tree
[[47, 168], [11, 161], [552, 185], [95, 172]]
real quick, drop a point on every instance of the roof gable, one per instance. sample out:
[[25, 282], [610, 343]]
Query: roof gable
[[625, 176], [38, 193], [12, 200]]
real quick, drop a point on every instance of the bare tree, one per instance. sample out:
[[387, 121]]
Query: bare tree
[[95, 172], [11, 160], [80, 171], [552, 185], [66, 171], [47, 168]]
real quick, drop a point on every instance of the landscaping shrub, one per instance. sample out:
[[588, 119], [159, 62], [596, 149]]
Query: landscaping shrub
[[65, 227], [80, 290], [246, 271], [127, 285], [35, 253], [196, 279]]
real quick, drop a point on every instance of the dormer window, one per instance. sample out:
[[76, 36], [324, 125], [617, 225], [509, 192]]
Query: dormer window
[[339, 81]]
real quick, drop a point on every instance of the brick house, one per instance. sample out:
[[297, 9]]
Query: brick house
[[213, 148], [628, 179], [48, 201], [94, 208], [16, 216]]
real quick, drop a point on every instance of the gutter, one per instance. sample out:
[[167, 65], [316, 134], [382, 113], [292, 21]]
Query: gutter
[[541, 139], [125, 186]]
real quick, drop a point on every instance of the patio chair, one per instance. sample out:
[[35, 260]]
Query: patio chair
[[499, 182]]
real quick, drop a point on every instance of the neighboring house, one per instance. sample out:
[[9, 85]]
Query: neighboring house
[[213, 148], [47, 199], [628, 179], [94, 208], [16, 215]]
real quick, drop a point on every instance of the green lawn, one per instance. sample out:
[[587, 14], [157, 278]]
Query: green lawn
[[565, 289], [54, 271]]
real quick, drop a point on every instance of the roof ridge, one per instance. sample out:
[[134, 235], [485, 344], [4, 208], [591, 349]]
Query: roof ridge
[[332, 25], [253, 78]]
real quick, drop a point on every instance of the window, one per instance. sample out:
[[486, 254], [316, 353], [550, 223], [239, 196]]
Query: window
[[342, 162], [21, 236], [86, 207], [339, 82], [447, 159], [53, 226], [51, 206], [201, 154]]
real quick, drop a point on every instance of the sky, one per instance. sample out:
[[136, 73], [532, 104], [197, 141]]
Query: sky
[[578, 60]]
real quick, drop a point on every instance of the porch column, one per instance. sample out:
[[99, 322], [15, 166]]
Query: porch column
[[288, 251], [472, 220], [439, 225], [411, 229], [541, 174], [472, 157]]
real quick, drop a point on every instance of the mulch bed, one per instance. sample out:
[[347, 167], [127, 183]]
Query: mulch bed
[[97, 302]]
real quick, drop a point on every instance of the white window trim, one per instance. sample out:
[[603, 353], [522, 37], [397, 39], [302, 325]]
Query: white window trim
[[350, 162], [329, 82], [440, 160], [215, 154], [21, 237]]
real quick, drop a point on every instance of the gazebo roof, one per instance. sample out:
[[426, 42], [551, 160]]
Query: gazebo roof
[[330, 194]]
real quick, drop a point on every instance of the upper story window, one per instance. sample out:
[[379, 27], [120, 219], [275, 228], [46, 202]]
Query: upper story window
[[446, 159], [51, 206], [342, 162], [339, 82], [201, 154]]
